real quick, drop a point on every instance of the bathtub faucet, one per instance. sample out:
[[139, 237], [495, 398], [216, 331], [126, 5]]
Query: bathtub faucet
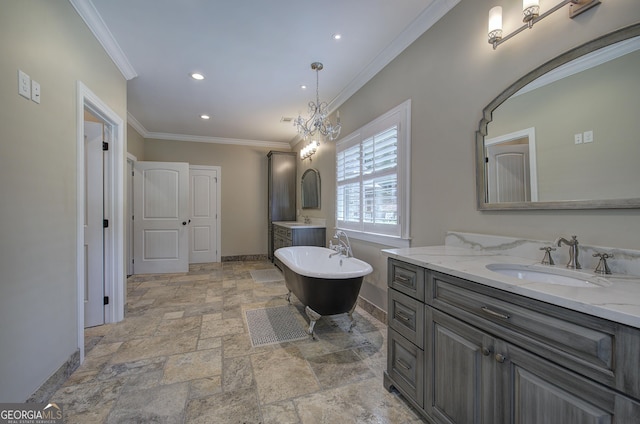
[[343, 245]]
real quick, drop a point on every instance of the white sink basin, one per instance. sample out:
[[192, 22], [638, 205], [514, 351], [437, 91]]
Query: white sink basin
[[548, 275]]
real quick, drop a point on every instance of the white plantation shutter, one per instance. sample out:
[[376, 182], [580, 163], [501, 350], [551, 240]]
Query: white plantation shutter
[[371, 174]]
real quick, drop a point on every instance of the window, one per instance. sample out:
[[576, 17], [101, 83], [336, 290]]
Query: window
[[372, 179]]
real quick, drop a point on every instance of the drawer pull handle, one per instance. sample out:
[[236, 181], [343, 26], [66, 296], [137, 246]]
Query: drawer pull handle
[[500, 358], [403, 364], [485, 351], [403, 317], [402, 279], [494, 313]]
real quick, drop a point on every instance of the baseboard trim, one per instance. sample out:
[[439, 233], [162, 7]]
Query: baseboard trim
[[375, 311], [53, 383], [238, 258]]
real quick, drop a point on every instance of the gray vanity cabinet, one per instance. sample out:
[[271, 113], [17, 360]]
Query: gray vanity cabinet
[[489, 356], [281, 186], [284, 236]]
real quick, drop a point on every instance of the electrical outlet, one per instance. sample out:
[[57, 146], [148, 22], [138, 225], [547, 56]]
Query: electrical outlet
[[35, 91], [588, 137], [577, 138], [24, 84]]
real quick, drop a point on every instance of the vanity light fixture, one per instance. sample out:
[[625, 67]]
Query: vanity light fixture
[[318, 122], [531, 15], [309, 150]]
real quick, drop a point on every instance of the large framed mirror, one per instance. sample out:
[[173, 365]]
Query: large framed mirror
[[566, 135], [310, 189]]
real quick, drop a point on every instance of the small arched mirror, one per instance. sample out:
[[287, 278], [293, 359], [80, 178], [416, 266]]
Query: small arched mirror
[[311, 189]]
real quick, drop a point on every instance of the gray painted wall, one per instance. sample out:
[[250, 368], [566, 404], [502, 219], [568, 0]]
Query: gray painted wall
[[451, 73], [38, 299]]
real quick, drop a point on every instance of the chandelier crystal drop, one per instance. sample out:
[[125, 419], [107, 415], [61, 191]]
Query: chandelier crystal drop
[[318, 121]]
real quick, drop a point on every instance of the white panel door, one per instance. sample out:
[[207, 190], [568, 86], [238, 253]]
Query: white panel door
[[203, 241], [161, 217], [508, 167], [93, 225]]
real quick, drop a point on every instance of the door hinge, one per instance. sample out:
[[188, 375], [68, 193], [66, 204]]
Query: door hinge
[[106, 300], [486, 160], [105, 223], [105, 146], [216, 179]]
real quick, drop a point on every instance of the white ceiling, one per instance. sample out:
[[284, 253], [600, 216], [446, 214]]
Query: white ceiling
[[255, 55]]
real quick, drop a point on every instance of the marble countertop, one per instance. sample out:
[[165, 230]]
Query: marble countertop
[[617, 300], [297, 224]]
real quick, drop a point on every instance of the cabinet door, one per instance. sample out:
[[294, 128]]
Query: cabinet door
[[460, 371], [537, 391], [405, 365]]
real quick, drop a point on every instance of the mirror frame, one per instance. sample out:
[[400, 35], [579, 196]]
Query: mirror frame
[[318, 187], [487, 113]]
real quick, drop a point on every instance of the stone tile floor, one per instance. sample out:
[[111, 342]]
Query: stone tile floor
[[183, 355]]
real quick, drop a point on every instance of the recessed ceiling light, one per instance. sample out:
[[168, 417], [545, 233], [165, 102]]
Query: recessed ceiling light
[[336, 36], [304, 87], [205, 117], [197, 76]]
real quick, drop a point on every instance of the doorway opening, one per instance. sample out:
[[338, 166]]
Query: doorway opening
[[113, 196]]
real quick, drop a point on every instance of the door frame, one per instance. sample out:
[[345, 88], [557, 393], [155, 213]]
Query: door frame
[[218, 170], [114, 195]]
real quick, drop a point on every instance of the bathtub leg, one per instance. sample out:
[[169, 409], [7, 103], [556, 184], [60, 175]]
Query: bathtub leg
[[288, 297], [313, 318], [353, 321]]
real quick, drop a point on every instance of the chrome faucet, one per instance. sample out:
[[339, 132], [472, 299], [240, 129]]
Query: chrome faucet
[[573, 251], [342, 247]]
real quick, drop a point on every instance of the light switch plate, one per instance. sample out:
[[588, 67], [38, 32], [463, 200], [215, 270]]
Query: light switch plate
[[35, 91], [588, 136], [577, 138], [24, 84]]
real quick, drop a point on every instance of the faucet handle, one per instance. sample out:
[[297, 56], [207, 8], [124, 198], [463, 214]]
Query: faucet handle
[[603, 267], [547, 259]]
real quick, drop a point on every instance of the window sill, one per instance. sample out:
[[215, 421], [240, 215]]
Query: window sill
[[390, 241]]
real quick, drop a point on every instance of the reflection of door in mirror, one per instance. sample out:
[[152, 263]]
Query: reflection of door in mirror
[[510, 164]]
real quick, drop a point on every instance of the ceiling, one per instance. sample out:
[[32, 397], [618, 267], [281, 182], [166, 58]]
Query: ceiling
[[255, 56]]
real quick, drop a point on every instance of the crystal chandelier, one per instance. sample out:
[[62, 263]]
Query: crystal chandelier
[[318, 121]]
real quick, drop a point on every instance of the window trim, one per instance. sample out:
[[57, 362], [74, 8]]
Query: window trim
[[400, 116]]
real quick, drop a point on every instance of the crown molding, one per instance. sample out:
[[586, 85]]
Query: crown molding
[[131, 120], [218, 140], [92, 18], [411, 33]]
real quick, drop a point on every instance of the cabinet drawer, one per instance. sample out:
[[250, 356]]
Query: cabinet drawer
[[406, 316], [406, 278], [405, 365], [554, 333]]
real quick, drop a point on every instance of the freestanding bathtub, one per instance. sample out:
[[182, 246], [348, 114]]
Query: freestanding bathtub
[[325, 282]]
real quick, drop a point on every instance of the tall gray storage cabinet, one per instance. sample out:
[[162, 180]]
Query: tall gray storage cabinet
[[282, 190]]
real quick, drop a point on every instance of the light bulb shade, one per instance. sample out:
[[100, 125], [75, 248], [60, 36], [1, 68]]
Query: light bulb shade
[[529, 3], [495, 24]]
